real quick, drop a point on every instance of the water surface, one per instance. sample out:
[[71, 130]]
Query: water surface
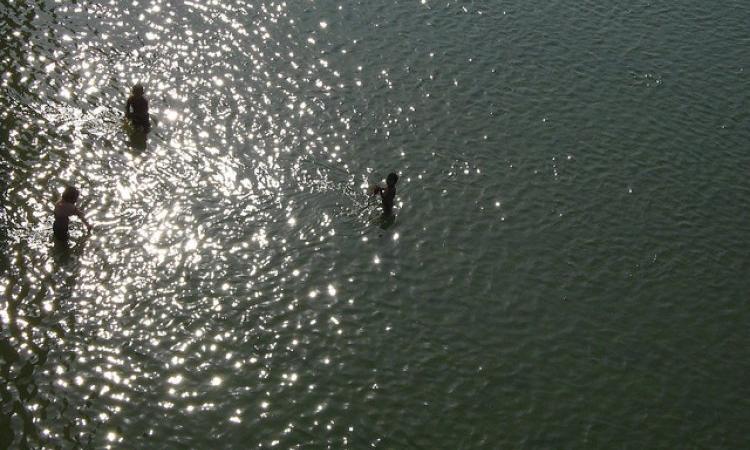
[[567, 267]]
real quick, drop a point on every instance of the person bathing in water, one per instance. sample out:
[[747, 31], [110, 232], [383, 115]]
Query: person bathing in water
[[387, 193], [136, 109], [65, 208]]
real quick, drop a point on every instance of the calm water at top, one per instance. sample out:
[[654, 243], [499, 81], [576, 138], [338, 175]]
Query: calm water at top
[[568, 266]]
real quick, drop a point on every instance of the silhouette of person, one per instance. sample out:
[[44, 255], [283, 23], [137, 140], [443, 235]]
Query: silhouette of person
[[136, 109], [65, 208], [388, 193]]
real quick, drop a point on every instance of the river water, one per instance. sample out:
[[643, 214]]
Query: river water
[[568, 265]]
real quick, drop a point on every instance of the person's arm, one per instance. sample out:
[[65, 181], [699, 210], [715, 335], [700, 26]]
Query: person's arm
[[127, 107], [81, 216]]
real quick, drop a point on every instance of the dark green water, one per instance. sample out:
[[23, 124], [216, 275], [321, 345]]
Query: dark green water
[[568, 266]]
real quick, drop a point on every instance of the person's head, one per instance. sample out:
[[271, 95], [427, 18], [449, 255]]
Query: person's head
[[138, 90], [392, 179], [70, 194]]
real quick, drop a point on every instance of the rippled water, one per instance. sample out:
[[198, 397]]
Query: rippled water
[[567, 268]]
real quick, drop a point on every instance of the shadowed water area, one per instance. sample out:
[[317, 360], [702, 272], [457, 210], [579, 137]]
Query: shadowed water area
[[568, 266]]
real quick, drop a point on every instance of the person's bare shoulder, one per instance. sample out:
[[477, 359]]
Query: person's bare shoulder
[[65, 209]]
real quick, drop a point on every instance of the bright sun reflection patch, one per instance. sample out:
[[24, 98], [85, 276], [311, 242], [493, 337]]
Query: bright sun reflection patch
[[191, 227]]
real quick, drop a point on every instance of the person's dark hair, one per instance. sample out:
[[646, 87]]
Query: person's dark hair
[[138, 89], [392, 179], [70, 194]]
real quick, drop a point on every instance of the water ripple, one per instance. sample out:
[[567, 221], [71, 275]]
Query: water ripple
[[544, 281]]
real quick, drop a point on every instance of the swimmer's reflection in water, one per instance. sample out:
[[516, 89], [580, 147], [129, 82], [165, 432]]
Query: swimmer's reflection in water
[[136, 109], [137, 138]]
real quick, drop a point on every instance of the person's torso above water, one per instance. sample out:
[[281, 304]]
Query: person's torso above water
[[388, 195], [138, 108], [63, 211]]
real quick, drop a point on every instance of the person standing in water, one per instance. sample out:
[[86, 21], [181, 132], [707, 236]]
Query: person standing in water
[[136, 109], [65, 208], [388, 193]]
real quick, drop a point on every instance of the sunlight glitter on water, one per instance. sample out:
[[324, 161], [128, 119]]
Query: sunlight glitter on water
[[238, 274]]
